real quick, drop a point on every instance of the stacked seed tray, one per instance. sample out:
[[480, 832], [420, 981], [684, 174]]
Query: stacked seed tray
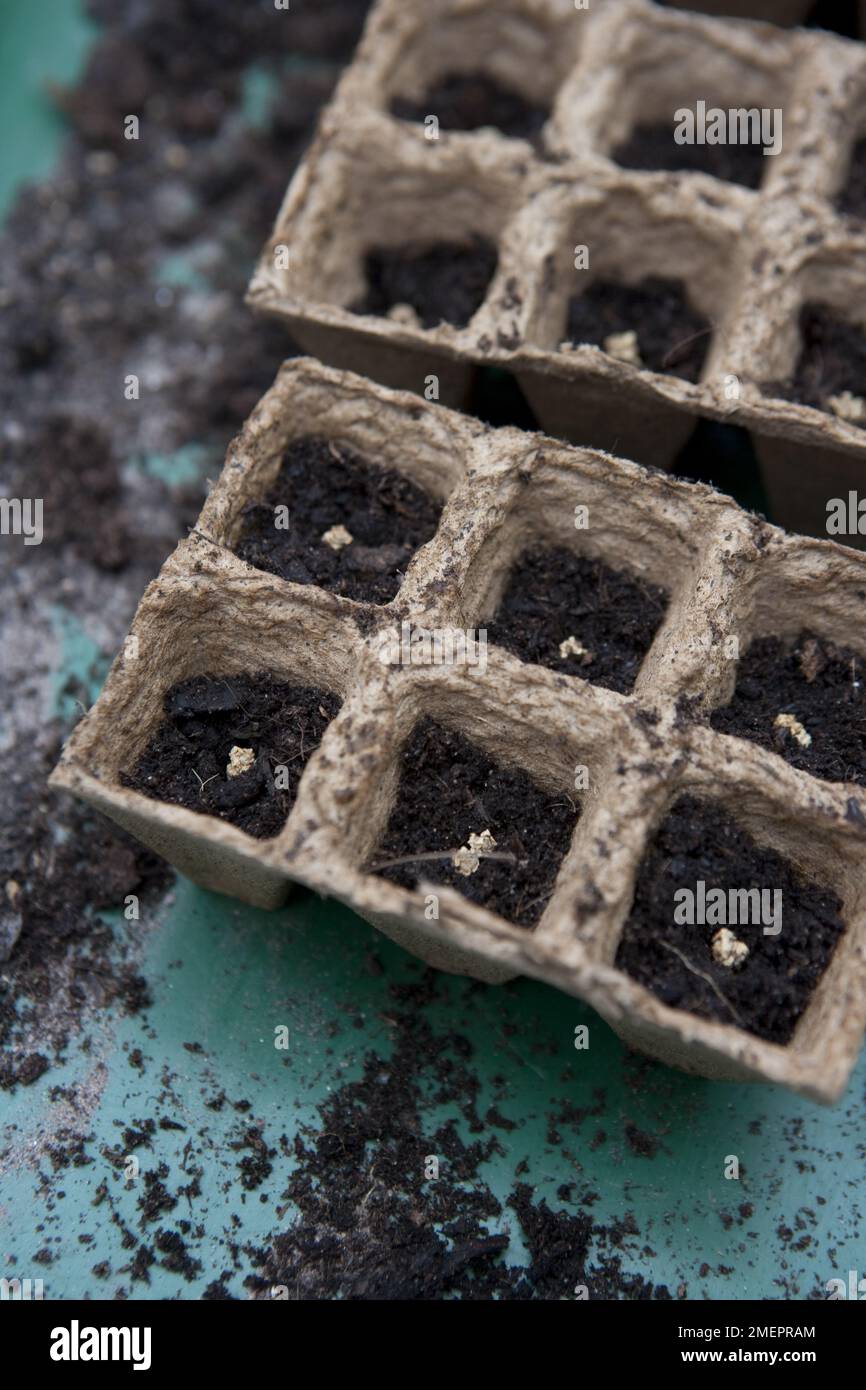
[[725, 573], [752, 259]]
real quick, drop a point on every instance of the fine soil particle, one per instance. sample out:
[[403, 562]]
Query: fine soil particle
[[654, 147], [443, 281], [765, 995], [672, 336], [470, 100], [822, 685], [449, 790], [556, 594], [324, 485], [832, 359], [643, 1145], [852, 199], [186, 759]]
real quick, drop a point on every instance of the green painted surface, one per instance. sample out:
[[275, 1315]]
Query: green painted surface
[[81, 659], [41, 42], [186, 465], [224, 977]]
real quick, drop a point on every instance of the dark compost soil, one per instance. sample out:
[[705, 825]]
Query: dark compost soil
[[470, 100], [384, 1231], [822, 685], [91, 240], [326, 485], [185, 761], [443, 281], [832, 359], [57, 957], [448, 790], [672, 336], [768, 992], [852, 199], [654, 147], [555, 594], [85, 301]]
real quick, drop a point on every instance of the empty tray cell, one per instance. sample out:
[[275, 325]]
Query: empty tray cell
[[852, 199], [428, 283], [697, 96], [450, 793], [652, 324], [831, 369], [725, 928], [804, 699], [335, 519], [572, 613], [475, 67], [234, 747]]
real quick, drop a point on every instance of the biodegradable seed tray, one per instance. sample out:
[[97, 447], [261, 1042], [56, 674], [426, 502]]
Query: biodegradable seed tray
[[726, 574], [749, 258]]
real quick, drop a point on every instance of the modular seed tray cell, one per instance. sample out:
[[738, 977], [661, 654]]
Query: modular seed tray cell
[[750, 258], [725, 573]]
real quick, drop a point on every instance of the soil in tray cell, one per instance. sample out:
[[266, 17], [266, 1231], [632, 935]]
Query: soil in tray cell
[[429, 283], [831, 368], [852, 199], [651, 325], [450, 790], [573, 614], [728, 968], [805, 700], [352, 526], [653, 147], [472, 100], [234, 747]]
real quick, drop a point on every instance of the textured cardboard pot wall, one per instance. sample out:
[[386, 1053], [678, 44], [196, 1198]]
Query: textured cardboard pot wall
[[726, 573], [750, 258]]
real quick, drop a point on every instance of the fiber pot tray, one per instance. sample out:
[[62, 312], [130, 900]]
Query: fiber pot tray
[[403, 256], [616, 601]]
